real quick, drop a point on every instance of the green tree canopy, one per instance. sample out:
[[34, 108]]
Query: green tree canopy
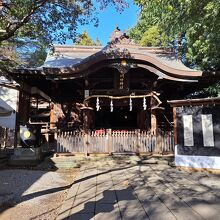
[[198, 19], [23, 53], [85, 40], [37, 24], [48, 20], [151, 37], [8, 55]]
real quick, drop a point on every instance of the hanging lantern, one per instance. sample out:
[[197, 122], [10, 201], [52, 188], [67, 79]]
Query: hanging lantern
[[144, 103], [130, 104], [111, 106], [97, 104]]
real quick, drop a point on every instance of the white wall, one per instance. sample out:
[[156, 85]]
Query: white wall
[[8, 100], [208, 162]]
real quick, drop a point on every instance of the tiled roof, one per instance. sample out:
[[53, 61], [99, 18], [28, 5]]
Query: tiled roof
[[69, 56]]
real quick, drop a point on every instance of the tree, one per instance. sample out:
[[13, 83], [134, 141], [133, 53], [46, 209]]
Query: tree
[[48, 20], [31, 53], [147, 19], [22, 53], [39, 23], [151, 37], [197, 19], [85, 40], [8, 55]]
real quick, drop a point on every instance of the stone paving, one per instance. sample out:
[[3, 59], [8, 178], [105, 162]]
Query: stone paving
[[128, 192]]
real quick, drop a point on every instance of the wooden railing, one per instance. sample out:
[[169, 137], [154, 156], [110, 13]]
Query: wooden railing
[[114, 141]]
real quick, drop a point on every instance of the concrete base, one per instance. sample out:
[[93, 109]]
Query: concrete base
[[62, 162], [206, 162], [26, 156]]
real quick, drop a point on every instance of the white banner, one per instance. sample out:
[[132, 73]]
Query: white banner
[[188, 130], [207, 130]]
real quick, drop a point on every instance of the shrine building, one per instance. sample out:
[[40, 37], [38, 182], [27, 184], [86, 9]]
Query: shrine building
[[119, 86], [120, 89]]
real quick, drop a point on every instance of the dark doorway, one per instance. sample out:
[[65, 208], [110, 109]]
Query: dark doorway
[[120, 118]]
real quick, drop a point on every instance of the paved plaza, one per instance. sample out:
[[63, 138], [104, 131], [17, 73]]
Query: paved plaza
[[139, 192]]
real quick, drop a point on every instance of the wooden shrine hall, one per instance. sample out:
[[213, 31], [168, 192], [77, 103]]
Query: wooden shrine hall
[[121, 86]]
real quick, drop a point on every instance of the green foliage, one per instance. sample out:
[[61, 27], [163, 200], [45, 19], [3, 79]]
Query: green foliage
[[85, 40], [151, 37], [23, 53], [40, 23], [213, 90], [199, 19], [8, 55], [31, 53], [49, 20]]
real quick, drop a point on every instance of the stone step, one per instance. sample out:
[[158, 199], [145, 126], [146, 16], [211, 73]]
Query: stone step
[[60, 163]]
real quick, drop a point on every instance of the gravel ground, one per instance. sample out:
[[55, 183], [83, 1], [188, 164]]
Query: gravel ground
[[33, 194]]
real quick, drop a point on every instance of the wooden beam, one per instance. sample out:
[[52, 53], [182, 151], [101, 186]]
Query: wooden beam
[[193, 102]]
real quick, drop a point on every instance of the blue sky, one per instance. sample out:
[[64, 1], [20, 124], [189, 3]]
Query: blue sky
[[108, 19]]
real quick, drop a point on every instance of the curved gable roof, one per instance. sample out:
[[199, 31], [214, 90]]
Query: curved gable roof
[[68, 61]]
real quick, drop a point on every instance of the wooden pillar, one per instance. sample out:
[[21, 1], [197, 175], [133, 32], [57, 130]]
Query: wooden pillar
[[86, 120], [53, 118], [155, 132], [86, 143], [86, 123], [154, 126], [153, 103], [175, 126], [153, 122]]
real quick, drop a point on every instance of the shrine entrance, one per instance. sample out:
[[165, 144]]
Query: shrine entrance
[[118, 124], [120, 119], [120, 111], [127, 113]]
